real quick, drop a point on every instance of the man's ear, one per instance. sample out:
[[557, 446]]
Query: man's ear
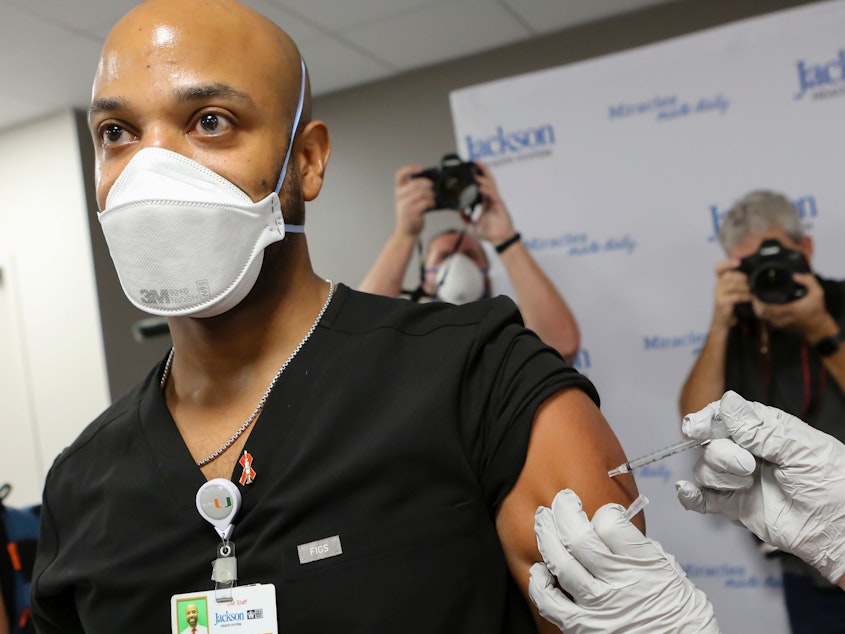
[[807, 248], [312, 156]]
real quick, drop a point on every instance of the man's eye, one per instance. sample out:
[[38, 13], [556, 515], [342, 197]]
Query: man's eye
[[212, 124], [112, 134]]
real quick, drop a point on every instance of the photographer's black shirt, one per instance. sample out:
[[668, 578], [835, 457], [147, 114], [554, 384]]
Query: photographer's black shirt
[[398, 427]]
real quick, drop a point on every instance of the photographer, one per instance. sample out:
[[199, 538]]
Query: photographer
[[774, 338], [542, 307]]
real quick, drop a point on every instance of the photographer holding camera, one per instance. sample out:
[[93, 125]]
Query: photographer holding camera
[[774, 338], [454, 264]]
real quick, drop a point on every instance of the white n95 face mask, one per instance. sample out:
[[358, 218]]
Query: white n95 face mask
[[184, 240], [459, 280]]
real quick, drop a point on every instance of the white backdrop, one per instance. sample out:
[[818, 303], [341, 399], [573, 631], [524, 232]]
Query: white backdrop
[[616, 171]]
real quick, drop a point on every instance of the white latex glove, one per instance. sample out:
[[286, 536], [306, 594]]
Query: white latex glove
[[619, 580], [797, 498], [723, 464]]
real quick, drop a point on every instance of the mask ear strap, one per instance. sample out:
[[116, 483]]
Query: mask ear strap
[[281, 181]]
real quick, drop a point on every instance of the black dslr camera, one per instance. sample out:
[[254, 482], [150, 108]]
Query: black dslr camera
[[770, 270], [455, 186]]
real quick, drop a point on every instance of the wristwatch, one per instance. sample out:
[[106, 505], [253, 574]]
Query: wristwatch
[[826, 346]]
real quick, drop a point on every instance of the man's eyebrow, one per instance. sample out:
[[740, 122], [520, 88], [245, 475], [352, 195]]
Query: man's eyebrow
[[106, 104], [189, 93], [206, 91]]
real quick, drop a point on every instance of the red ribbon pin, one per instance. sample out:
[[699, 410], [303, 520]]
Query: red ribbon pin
[[248, 474]]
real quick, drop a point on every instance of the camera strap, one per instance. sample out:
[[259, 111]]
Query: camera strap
[[812, 398], [811, 390]]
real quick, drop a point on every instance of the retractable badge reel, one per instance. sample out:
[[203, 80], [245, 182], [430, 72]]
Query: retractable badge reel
[[218, 502]]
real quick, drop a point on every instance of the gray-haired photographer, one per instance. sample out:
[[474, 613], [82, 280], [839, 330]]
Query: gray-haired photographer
[[454, 265], [774, 338]]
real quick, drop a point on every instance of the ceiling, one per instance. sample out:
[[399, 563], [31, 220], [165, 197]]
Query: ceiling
[[49, 48]]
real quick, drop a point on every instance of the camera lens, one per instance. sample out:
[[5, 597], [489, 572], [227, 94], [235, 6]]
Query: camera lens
[[772, 284]]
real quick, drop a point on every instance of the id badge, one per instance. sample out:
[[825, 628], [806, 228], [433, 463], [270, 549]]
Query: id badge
[[252, 610]]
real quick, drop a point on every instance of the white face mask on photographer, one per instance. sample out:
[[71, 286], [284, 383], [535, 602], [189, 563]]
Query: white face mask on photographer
[[184, 240], [459, 280]]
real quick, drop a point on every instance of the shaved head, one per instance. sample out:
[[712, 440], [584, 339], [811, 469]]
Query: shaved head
[[209, 79], [213, 29]]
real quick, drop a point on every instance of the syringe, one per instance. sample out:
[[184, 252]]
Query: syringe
[[654, 456], [636, 506]]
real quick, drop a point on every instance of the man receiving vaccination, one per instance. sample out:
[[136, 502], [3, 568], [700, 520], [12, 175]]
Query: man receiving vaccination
[[389, 456]]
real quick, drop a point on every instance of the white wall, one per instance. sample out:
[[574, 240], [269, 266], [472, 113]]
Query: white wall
[[52, 367]]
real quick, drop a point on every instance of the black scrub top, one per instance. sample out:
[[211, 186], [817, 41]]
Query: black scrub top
[[398, 428]]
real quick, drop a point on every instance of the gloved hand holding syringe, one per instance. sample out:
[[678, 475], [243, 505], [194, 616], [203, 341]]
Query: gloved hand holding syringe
[[719, 431]]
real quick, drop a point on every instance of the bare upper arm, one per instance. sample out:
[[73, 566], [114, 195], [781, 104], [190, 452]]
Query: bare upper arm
[[571, 446]]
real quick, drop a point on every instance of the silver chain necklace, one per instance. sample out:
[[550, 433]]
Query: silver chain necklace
[[221, 450]]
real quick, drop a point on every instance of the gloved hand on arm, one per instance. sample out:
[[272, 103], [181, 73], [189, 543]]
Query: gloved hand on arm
[[616, 579], [791, 497]]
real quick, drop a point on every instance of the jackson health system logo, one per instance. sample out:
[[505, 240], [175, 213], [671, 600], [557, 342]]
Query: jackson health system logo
[[821, 80], [509, 145]]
